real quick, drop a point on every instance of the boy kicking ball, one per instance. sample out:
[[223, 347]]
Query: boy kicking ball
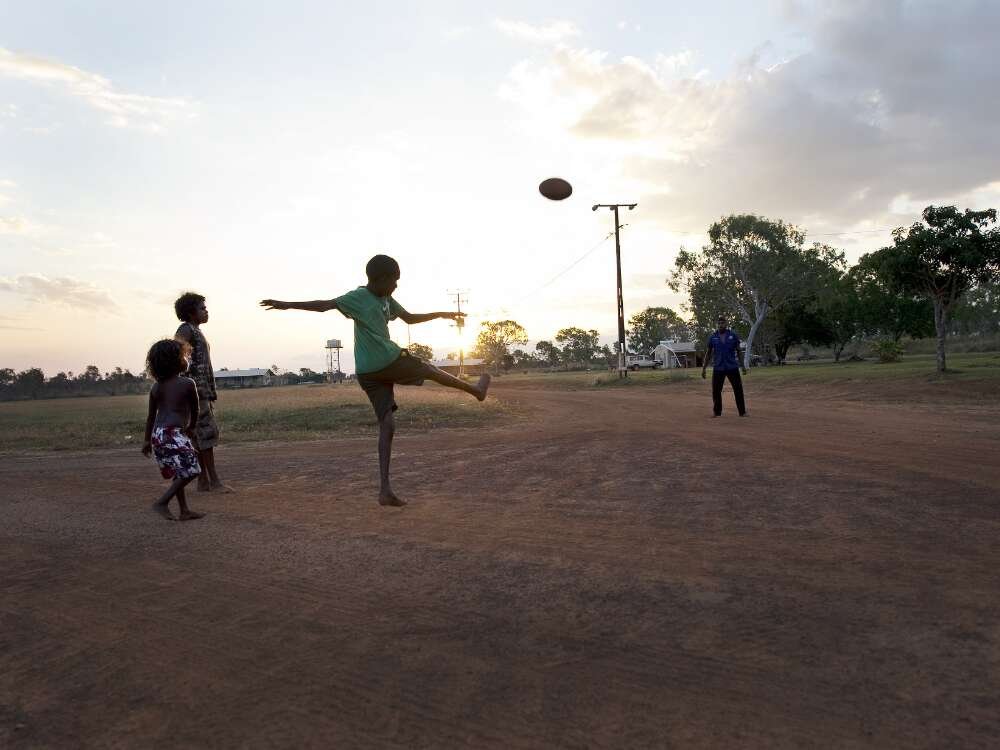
[[380, 363]]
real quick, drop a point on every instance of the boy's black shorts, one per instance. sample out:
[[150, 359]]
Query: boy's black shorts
[[406, 370]]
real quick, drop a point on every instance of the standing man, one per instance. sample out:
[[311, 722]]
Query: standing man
[[724, 350], [193, 313]]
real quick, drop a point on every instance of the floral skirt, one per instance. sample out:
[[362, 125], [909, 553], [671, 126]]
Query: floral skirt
[[174, 453]]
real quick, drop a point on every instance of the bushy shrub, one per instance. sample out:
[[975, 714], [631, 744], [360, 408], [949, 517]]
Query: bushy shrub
[[887, 350]]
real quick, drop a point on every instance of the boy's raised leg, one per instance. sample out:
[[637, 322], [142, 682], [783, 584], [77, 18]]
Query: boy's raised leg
[[386, 430], [478, 390]]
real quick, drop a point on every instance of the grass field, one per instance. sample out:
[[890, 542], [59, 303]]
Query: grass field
[[316, 412], [970, 376], [287, 413]]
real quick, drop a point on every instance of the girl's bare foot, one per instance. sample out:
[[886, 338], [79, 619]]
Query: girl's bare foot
[[219, 486], [388, 497], [163, 510], [190, 515], [483, 385]]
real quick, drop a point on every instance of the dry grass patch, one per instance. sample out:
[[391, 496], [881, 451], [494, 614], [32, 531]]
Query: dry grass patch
[[288, 413]]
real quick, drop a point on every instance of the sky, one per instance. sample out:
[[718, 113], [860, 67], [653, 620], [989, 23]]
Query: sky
[[247, 150]]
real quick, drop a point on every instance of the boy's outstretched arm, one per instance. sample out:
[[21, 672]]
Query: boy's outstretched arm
[[316, 305], [411, 318]]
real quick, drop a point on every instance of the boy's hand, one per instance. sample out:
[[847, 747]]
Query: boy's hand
[[147, 449], [744, 370], [273, 304], [703, 373]]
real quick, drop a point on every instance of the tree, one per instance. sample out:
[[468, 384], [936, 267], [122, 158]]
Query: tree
[[30, 382], [523, 359], [840, 309], [888, 311], [91, 374], [979, 311], [751, 267], [548, 353], [941, 260], [579, 346], [653, 325], [798, 322], [421, 350], [495, 339]]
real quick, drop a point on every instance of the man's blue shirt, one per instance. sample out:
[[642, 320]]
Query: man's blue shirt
[[726, 350]]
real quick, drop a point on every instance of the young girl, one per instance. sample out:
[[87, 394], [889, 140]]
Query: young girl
[[173, 413]]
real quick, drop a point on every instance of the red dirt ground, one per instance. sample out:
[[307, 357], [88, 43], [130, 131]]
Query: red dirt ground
[[619, 570]]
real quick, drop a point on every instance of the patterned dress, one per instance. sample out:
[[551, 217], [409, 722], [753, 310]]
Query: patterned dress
[[174, 453], [207, 430]]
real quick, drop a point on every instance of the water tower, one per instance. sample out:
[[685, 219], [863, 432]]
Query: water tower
[[333, 375]]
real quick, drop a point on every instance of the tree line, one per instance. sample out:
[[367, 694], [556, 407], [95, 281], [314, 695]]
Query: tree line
[[32, 383]]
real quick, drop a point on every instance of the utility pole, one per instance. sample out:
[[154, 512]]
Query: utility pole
[[459, 295], [622, 370]]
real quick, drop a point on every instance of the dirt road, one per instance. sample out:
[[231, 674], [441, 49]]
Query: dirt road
[[618, 570]]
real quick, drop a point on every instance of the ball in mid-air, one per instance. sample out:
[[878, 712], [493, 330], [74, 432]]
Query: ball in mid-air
[[555, 189]]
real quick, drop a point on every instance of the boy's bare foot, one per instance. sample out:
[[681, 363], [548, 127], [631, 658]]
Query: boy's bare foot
[[220, 486], [388, 497], [483, 385], [163, 510], [190, 515]]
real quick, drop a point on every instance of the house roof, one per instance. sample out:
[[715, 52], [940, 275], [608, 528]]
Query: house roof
[[254, 372], [678, 346]]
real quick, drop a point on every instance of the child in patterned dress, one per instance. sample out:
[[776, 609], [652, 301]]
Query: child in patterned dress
[[173, 413]]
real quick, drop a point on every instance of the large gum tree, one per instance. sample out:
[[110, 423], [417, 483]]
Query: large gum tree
[[750, 267], [941, 259]]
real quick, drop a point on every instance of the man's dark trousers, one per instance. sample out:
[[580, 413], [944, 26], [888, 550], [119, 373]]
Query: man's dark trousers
[[718, 378]]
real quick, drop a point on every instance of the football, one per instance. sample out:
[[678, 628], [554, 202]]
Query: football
[[555, 189]]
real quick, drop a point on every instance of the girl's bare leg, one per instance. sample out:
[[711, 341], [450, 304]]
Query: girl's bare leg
[[160, 506], [186, 513]]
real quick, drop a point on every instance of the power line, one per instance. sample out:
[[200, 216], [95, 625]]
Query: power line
[[568, 268]]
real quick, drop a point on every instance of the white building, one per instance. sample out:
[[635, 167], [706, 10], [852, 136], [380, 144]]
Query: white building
[[676, 353], [252, 378]]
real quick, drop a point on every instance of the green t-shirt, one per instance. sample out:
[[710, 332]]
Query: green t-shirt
[[373, 349]]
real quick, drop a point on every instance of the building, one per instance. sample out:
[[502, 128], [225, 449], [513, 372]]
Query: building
[[252, 378], [472, 366], [677, 353]]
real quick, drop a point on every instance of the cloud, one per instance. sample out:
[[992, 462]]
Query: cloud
[[892, 98], [16, 224], [550, 32], [123, 110], [63, 290]]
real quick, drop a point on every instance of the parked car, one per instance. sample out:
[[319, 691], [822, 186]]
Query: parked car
[[641, 362]]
